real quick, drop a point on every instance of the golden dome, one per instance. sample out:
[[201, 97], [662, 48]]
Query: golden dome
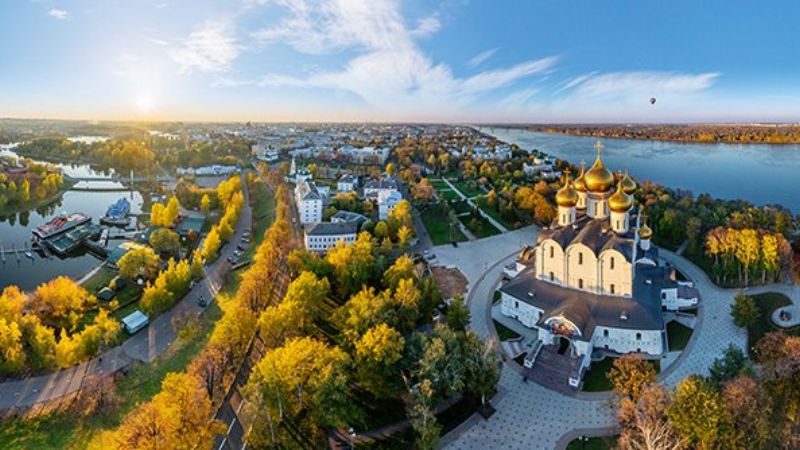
[[628, 185], [645, 233], [580, 182], [567, 196], [598, 178], [620, 202]]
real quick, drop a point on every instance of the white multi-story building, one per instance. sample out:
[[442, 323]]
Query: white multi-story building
[[593, 281], [387, 201], [374, 186], [309, 202], [321, 237], [347, 183]]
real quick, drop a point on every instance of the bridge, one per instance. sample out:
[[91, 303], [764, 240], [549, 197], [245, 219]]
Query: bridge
[[161, 179]]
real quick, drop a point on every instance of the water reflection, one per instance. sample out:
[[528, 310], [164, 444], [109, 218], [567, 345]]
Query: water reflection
[[761, 174]]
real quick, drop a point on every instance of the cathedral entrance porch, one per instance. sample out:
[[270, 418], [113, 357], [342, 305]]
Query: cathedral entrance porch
[[555, 369]]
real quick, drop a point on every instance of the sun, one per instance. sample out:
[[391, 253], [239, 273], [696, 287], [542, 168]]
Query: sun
[[145, 102]]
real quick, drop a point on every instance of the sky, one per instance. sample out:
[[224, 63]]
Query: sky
[[401, 60]]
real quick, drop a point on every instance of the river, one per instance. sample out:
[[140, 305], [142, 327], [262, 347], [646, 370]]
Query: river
[[15, 230], [762, 174]]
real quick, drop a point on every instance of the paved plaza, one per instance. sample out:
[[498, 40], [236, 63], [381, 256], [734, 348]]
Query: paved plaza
[[530, 416]]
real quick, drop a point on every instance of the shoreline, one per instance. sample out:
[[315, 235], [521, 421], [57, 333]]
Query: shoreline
[[30, 206], [627, 138]]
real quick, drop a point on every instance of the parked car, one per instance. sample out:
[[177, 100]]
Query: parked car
[[430, 257], [202, 301]]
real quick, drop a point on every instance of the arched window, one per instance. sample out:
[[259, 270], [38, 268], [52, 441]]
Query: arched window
[[612, 288], [580, 283], [580, 258], [611, 263], [552, 251], [605, 333], [638, 336]]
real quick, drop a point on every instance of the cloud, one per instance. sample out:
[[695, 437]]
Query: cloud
[[59, 14], [482, 56], [636, 83], [518, 99], [389, 70], [230, 82], [157, 41], [426, 27], [211, 48]]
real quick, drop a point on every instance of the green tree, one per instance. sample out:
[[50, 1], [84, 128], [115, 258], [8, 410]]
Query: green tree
[[423, 415], [165, 241], [744, 311], [730, 365], [458, 315]]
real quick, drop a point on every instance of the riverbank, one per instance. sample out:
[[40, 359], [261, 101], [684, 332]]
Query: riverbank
[[7, 210], [692, 134]]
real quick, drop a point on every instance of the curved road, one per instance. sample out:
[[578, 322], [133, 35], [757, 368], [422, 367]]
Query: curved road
[[143, 346], [531, 416]]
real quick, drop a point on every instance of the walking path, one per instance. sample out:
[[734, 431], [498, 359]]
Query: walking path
[[531, 416], [472, 203], [143, 346]]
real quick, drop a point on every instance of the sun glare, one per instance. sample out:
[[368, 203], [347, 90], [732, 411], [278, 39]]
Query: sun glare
[[145, 103]]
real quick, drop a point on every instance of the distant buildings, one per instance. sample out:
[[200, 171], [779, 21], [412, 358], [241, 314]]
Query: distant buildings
[[387, 200], [208, 171], [347, 183]]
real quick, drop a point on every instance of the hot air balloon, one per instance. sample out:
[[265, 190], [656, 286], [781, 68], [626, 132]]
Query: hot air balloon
[[652, 100]]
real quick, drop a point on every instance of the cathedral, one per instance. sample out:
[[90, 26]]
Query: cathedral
[[593, 285]]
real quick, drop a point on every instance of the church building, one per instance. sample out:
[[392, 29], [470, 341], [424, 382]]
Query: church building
[[593, 285]]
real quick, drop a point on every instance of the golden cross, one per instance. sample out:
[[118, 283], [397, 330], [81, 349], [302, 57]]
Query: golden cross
[[598, 146]]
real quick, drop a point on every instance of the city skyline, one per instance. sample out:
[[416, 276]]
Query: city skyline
[[384, 60]]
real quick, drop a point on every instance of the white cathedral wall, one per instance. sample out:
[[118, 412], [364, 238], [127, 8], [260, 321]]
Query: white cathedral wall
[[517, 309], [623, 340], [546, 263], [620, 275], [582, 270]]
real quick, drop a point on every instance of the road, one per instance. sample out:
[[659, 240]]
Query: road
[[143, 346]]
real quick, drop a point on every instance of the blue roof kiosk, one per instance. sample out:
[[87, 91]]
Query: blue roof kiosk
[[135, 321]]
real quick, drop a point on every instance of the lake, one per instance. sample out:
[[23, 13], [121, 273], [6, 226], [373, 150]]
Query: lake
[[762, 174], [15, 230]]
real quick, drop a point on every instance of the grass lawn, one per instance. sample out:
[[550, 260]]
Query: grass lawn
[[460, 206], [99, 280], [448, 195], [486, 230], [439, 184], [496, 215], [594, 443], [678, 335], [596, 379], [767, 303], [503, 332], [69, 430], [438, 227], [466, 188]]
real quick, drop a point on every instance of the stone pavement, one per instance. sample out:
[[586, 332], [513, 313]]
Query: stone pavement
[[143, 346], [530, 416]]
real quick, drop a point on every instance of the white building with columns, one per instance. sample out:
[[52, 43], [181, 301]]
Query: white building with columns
[[593, 285]]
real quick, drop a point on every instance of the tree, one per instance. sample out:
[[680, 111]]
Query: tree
[[304, 374], [377, 352], [25, 191], [458, 315], [744, 311], [197, 265], [406, 301], [629, 374], [483, 365], [390, 169], [60, 302], [165, 241], [178, 417], [401, 216], [139, 263], [381, 230], [235, 329], [423, 416], [205, 204], [750, 409], [697, 413], [643, 423], [402, 269], [731, 365], [404, 237], [11, 350], [211, 245], [422, 191], [157, 215]]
